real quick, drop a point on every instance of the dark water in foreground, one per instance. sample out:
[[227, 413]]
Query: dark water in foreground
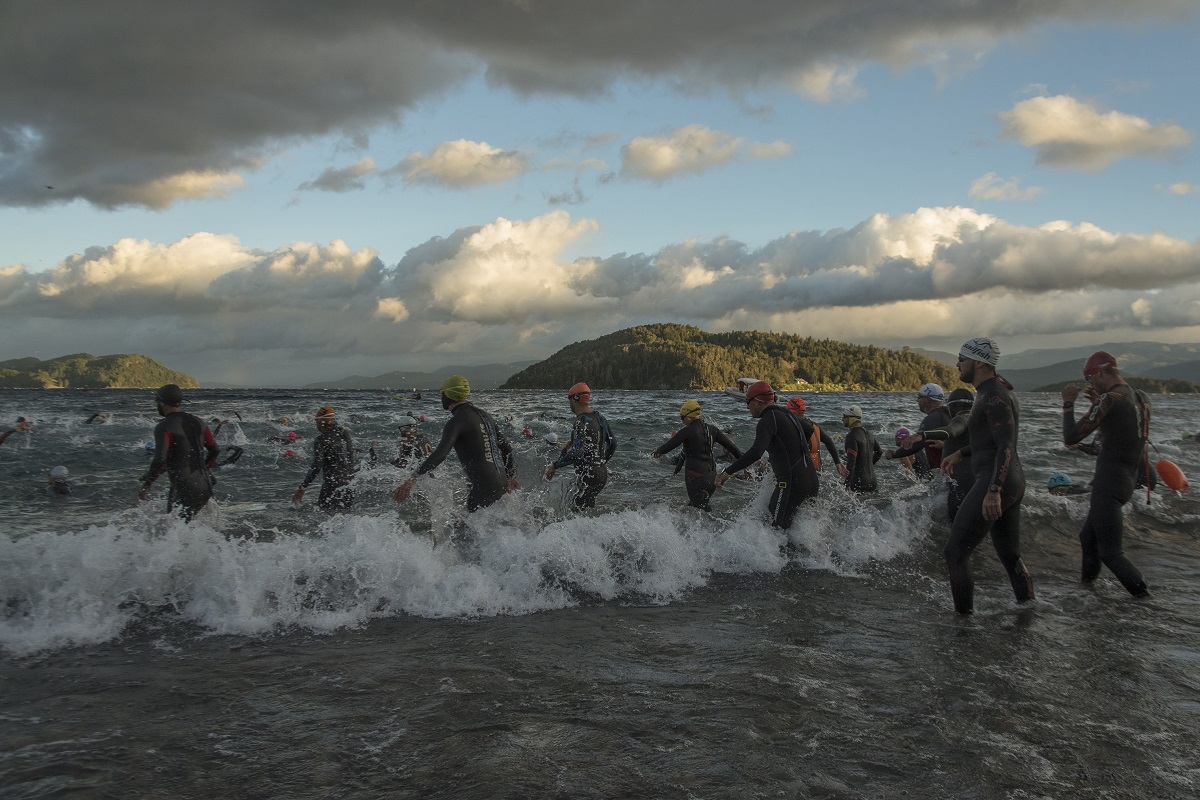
[[644, 650]]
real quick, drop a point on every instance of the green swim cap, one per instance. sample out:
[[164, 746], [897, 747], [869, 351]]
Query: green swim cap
[[456, 388]]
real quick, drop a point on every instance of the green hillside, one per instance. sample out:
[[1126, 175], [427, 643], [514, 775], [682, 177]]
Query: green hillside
[[84, 371], [672, 356]]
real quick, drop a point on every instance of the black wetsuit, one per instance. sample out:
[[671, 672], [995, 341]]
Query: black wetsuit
[[333, 457], [1121, 416], [784, 437], [412, 451], [485, 455], [862, 451], [992, 427], [592, 445], [184, 448], [954, 437], [699, 466], [928, 458]]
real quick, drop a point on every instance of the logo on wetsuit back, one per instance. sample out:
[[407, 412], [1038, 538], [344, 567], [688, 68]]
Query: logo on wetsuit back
[[485, 433]]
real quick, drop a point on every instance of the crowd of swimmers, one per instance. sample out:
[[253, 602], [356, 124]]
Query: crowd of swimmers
[[968, 437]]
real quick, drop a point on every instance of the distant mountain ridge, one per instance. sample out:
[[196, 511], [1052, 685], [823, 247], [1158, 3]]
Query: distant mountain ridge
[[482, 376], [85, 371]]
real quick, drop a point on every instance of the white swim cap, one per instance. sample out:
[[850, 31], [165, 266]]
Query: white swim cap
[[406, 422], [853, 411], [59, 474], [981, 349], [932, 391], [551, 438]]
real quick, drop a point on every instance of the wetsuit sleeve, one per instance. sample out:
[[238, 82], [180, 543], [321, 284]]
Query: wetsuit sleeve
[[1075, 431], [675, 440], [210, 444], [720, 438], [852, 454], [318, 457], [878, 452], [449, 437], [957, 426], [506, 454], [612, 439], [762, 438], [831, 446], [1000, 421], [162, 448]]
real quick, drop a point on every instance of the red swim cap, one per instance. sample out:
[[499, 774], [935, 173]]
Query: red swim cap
[[796, 405], [579, 391], [759, 390], [1098, 362]]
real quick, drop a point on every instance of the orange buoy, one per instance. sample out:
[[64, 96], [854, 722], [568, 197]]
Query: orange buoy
[[1171, 475]]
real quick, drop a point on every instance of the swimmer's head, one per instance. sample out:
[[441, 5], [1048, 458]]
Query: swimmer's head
[[407, 423], [551, 438], [982, 349], [852, 412], [169, 395], [580, 393], [455, 389], [1058, 480], [149, 445], [760, 391], [960, 400], [797, 406], [1098, 362], [690, 410], [932, 391], [59, 474], [902, 434], [292, 436]]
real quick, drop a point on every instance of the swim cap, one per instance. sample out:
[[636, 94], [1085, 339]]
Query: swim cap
[[291, 436], [902, 434], [456, 388], [283, 420], [1098, 362], [149, 445], [761, 391], [579, 391], [59, 474], [406, 422], [551, 438], [854, 411], [324, 412], [1058, 480], [689, 409], [980, 349], [932, 391], [796, 406], [169, 395], [289, 453], [960, 398]]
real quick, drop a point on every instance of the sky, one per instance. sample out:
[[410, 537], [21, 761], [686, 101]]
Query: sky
[[277, 193]]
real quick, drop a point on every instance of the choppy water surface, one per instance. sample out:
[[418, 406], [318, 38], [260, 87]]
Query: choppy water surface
[[643, 650]]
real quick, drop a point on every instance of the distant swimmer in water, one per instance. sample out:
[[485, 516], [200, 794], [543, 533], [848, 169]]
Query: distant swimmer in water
[[290, 436], [184, 448], [57, 481], [472, 433], [1060, 483], [414, 447], [333, 456], [100, 417], [699, 466], [20, 427], [234, 452]]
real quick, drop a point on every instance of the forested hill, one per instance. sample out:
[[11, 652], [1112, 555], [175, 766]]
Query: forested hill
[[83, 371], [670, 356]]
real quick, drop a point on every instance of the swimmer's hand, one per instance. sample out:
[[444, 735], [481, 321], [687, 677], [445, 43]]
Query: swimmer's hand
[[402, 491], [550, 473], [144, 492], [950, 462], [843, 471], [297, 497]]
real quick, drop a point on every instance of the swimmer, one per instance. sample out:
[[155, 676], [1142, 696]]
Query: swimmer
[[798, 407], [333, 455], [20, 427], [1060, 483], [952, 437], [234, 452], [700, 468], [184, 448], [862, 451], [99, 417], [57, 480], [591, 446]]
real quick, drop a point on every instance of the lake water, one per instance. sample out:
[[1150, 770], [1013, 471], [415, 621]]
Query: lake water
[[640, 650]]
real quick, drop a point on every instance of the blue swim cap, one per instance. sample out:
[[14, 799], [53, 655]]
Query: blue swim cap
[[1058, 480], [149, 445]]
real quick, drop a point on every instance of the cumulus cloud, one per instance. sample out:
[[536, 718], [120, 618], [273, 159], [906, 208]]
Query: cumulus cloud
[[462, 164], [503, 291], [1182, 187], [1067, 132], [689, 151], [345, 179], [145, 103], [992, 187]]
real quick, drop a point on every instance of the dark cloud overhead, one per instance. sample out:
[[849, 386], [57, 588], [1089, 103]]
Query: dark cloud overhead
[[133, 102]]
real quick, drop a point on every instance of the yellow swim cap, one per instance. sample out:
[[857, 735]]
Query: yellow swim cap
[[456, 388], [689, 409]]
